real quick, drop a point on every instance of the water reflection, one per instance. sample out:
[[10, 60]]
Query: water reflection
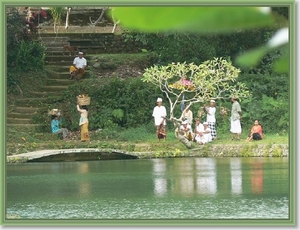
[[160, 183], [206, 176], [236, 176], [257, 177], [199, 176], [204, 188]]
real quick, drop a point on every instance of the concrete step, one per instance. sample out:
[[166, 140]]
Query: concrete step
[[19, 121], [66, 75], [59, 63], [52, 39], [19, 115], [53, 88], [60, 68], [59, 82], [30, 110], [58, 49], [43, 94], [54, 43], [66, 59], [37, 101], [60, 53]]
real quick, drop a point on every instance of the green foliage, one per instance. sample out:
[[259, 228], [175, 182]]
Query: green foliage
[[29, 56], [200, 19], [215, 20], [175, 46], [271, 85], [57, 13], [272, 113], [114, 103], [23, 54]]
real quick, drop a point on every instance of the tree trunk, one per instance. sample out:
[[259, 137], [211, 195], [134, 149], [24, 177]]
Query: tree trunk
[[185, 141], [115, 26], [67, 18], [181, 138]]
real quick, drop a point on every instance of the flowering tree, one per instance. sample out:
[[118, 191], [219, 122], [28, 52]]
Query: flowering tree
[[213, 79]]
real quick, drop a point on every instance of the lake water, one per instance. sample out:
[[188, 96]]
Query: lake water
[[173, 188]]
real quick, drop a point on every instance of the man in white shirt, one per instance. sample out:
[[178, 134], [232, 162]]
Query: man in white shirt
[[160, 114], [78, 68], [211, 119]]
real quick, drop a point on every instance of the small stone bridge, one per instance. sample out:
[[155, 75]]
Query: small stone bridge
[[82, 154]]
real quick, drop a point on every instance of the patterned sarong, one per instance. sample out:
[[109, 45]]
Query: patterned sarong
[[212, 127], [161, 131], [85, 132], [79, 73]]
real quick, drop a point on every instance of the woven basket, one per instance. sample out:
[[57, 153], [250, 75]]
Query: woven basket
[[86, 100], [54, 112]]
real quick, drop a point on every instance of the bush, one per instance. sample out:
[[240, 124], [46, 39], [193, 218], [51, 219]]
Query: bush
[[114, 103]]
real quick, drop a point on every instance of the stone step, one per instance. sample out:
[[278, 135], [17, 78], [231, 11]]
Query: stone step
[[52, 39], [43, 94], [60, 53], [58, 50], [54, 44], [53, 88], [37, 101], [60, 58], [58, 69], [66, 75], [19, 121], [19, 115], [60, 82], [29, 109], [59, 63]]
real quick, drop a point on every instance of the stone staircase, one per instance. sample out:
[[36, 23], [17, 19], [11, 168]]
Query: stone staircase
[[21, 113]]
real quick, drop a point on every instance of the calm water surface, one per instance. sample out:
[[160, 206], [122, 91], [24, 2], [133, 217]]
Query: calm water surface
[[180, 188]]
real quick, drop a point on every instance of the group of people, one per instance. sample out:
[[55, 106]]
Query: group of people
[[204, 132], [256, 132], [83, 123], [77, 69]]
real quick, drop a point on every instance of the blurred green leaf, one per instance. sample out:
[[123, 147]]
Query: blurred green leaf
[[251, 58], [282, 65], [195, 19]]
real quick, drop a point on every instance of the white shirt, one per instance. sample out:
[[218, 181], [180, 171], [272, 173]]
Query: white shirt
[[182, 128], [79, 62], [158, 113], [207, 136], [199, 128], [211, 114]]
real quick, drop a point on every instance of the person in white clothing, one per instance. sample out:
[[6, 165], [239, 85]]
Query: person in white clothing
[[211, 119], [198, 132], [207, 133], [187, 114], [78, 67], [160, 114]]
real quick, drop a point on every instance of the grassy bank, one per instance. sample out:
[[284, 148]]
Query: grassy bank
[[141, 139]]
